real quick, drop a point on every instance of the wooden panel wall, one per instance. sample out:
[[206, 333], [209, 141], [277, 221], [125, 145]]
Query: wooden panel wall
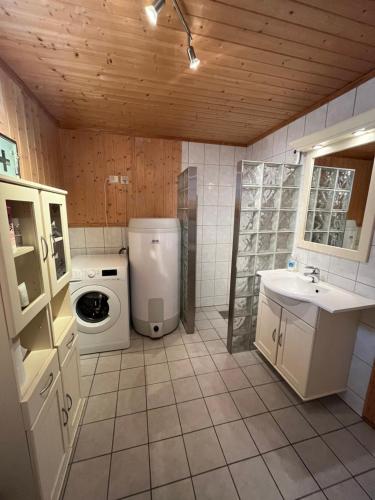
[[152, 166], [24, 120]]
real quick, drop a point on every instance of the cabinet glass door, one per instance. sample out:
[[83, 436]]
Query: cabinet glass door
[[56, 229], [24, 254]]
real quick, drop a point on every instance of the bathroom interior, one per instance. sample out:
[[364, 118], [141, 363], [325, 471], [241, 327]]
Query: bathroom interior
[[187, 250]]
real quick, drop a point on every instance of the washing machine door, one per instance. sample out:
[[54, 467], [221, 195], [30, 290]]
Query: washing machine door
[[97, 308]]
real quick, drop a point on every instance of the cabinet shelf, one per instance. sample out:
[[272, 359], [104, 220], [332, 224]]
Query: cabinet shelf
[[18, 251]]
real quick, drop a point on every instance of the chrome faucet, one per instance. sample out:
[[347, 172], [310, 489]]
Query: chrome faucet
[[314, 273]]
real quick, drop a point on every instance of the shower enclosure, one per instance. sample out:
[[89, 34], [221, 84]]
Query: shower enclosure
[[264, 229], [187, 214]]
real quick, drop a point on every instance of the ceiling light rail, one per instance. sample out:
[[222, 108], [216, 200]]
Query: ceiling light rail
[[152, 12]]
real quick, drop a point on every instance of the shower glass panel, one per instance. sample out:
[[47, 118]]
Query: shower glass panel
[[264, 229], [187, 214]]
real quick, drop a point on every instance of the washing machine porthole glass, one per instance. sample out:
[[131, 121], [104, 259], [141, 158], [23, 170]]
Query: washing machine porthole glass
[[93, 307]]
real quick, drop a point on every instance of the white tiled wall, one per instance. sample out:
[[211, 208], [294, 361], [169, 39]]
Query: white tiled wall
[[341, 272], [97, 240], [216, 192]]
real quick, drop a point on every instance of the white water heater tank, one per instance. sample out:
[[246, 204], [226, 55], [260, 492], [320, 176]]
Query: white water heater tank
[[154, 258]]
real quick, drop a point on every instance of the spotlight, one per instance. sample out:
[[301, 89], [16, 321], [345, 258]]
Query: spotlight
[[194, 61], [153, 10]]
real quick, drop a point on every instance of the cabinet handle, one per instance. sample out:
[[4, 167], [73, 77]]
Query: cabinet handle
[[53, 253], [69, 344], [66, 415], [280, 339], [45, 248], [49, 383], [274, 335], [70, 401]]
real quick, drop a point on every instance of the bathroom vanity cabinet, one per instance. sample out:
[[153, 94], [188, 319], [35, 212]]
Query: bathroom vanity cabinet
[[309, 347], [35, 269]]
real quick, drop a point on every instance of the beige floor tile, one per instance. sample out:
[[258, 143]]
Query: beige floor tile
[[181, 369], [131, 401], [150, 343], [222, 409], [211, 383], [133, 377], [157, 373], [253, 480], [191, 338], [348, 490], [88, 366], [194, 415], [186, 389], [108, 364], [351, 453], [86, 385], [100, 407], [293, 424], [168, 461], [367, 481], [196, 349], [94, 439], [163, 423], [236, 441], [155, 356], [203, 451], [130, 472], [104, 382], [248, 402], [224, 361], [340, 410], [130, 430], [245, 358], [258, 374], [290, 474], [203, 324], [234, 379], [203, 365], [209, 334], [172, 339], [88, 480], [216, 347], [181, 490], [365, 435], [272, 396], [132, 360], [321, 462], [176, 352], [319, 417], [159, 395], [265, 432], [135, 345], [215, 485]]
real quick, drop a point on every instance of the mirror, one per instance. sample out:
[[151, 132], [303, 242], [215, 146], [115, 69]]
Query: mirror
[[339, 189]]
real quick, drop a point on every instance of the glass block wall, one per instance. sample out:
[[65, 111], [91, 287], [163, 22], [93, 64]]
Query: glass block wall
[[187, 214], [264, 228], [328, 205]]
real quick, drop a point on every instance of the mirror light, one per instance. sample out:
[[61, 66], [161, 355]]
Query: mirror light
[[194, 61]]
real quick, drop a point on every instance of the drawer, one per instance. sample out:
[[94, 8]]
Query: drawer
[[303, 310], [37, 394], [65, 344]]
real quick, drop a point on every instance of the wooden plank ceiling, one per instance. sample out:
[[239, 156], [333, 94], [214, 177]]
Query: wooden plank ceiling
[[98, 64]]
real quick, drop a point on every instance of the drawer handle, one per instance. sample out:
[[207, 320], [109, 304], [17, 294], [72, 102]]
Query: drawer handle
[[49, 383], [70, 401], [280, 339], [274, 335], [66, 415], [45, 250], [70, 342]]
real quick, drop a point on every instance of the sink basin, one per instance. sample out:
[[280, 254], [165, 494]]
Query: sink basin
[[324, 295]]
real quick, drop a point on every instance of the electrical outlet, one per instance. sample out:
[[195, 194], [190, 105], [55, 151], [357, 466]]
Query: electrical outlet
[[124, 179], [113, 179]]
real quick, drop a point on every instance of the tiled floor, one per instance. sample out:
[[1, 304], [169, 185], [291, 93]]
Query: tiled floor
[[179, 418]]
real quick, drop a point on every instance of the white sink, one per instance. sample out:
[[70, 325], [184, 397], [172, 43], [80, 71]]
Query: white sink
[[324, 295]]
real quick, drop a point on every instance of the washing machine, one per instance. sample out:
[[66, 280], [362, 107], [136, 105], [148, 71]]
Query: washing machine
[[100, 299]]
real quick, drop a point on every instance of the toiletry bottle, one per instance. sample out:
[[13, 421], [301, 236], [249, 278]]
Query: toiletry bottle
[[292, 264]]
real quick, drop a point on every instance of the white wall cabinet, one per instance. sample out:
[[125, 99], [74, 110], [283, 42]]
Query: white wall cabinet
[[312, 350], [48, 440], [57, 236], [34, 251]]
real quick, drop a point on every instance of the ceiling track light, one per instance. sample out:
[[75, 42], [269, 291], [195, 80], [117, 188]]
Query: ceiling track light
[[152, 12]]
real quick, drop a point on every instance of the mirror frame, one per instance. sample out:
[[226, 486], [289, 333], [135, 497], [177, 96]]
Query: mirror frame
[[331, 143]]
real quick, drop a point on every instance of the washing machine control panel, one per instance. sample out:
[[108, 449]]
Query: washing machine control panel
[[91, 273]]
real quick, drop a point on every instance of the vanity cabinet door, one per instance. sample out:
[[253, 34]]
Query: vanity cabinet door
[[268, 325], [71, 379], [294, 350]]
